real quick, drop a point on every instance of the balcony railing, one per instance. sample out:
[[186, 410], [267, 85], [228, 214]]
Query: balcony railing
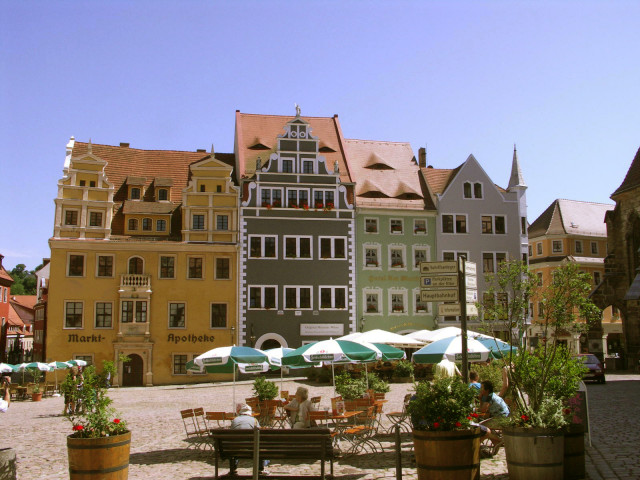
[[135, 281]]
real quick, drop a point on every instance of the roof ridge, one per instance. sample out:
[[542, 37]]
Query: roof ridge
[[377, 141], [146, 150]]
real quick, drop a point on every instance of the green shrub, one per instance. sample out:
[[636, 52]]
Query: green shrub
[[350, 388], [264, 389], [377, 384], [402, 369]]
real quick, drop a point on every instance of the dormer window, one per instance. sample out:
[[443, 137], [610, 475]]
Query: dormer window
[[477, 190], [163, 194], [83, 183], [202, 188], [92, 183], [135, 193], [133, 224], [467, 190]]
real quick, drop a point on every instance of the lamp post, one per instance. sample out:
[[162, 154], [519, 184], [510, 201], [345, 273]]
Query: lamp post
[[233, 331], [362, 322]]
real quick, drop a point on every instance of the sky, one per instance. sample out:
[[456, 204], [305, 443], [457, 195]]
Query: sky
[[557, 78]]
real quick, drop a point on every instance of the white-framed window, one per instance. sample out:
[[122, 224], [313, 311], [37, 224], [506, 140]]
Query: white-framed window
[[594, 248], [75, 264], [219, 315], [161, 225], [222, 222], [298, 198], [372, 298], [397, 256], [333, 247], [195, 268], [135, 266], [421, 253], [539, 248], [271, 197], [263, 246], [297, 297], [556, 246], [397, 301], [133, 311], [263, 297], [298, 247], [86, 357], [197, 221], [104, 266], [167, 266], [454, 223], [323, 198], [287, 165], [530, 250], [467, 190], [333, 298], [95, 218], [177, 314], [147, 224], [179, 361], [73, 317], [420, 307], [596, 278], [223, 268], [578, 246], [419, 226], [103, 315], [449, 256], [396, 226], [493, 224], [477, 190], [71, 217], [371, 255], [492, 260], [371, 225]]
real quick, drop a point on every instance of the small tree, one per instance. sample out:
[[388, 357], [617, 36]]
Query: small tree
[[541, 379]]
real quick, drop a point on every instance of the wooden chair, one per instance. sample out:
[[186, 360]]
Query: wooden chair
[[284, 394], [315, 402], [400, 418], [195, 435], [219, 417]]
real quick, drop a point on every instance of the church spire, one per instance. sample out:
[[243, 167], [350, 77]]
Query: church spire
[[516, 179]]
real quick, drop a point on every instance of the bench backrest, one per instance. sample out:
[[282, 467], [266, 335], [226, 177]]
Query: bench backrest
[[303, 443]]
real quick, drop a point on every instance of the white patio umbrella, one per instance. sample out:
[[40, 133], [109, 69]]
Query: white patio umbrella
[[55, 366], [225, 359], [385, 337], [77, 363], [438, 334], [7, 367], [43, 367], [451, 348]]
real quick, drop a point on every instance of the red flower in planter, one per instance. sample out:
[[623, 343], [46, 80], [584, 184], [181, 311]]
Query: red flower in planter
[[525, 418], [77, 428], [436, 425], [458, 424], [116, 420]]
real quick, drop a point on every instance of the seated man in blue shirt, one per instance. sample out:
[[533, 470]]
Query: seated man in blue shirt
[[496, 406]]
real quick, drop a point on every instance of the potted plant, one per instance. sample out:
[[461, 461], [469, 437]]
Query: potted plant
[[36, 393], [350, 388], [100, 440], [263, 389], [403, 372], [541, 382], [444, 440]]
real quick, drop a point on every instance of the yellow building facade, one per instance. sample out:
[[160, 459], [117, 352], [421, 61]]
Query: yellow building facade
[[569, 231], [143, 260]]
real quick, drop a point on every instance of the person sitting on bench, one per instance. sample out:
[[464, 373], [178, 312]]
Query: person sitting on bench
[[244, 420]]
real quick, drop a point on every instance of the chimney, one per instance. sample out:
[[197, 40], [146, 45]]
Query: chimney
[[422, 157], [124, 144], [201, 150]]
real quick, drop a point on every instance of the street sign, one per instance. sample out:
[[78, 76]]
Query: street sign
[[439, 281], [445, 295], [438, 267], [449, 309], [454, 310], [470, 268], [471, 281], [472, 295]]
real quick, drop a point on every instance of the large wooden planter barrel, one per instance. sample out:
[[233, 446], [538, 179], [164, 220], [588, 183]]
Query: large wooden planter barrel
[[447, 455], [105, 458], [7, 464], [534, 453], [574, 468]]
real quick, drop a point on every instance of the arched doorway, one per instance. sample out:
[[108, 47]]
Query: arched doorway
[[132, 371]]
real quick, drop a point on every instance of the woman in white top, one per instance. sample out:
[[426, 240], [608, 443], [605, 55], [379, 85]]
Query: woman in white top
[[300, 408]]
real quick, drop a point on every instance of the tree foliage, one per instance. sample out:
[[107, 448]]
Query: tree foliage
[[24, 281]]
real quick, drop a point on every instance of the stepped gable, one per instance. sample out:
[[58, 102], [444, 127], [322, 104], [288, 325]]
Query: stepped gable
[[632, 179], [256, 136]]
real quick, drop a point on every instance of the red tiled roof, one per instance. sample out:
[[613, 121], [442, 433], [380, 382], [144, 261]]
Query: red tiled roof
[[253, 130], [5, 275], [438, 178], [14, 318], [123, 162], [632, 179], [28, 301]]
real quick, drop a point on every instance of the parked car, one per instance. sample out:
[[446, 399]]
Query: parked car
[[596, 370]]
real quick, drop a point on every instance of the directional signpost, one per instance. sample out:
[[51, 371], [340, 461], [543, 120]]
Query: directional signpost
[[454, 282]]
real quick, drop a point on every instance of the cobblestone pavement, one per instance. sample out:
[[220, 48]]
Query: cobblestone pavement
[[37, 431]]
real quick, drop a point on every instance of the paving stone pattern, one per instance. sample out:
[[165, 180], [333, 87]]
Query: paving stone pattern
[[37, 431]]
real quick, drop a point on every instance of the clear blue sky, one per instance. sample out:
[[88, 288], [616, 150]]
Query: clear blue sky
[[560, 79]]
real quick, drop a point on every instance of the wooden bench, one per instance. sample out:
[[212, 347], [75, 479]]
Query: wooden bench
[[258, 444]]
